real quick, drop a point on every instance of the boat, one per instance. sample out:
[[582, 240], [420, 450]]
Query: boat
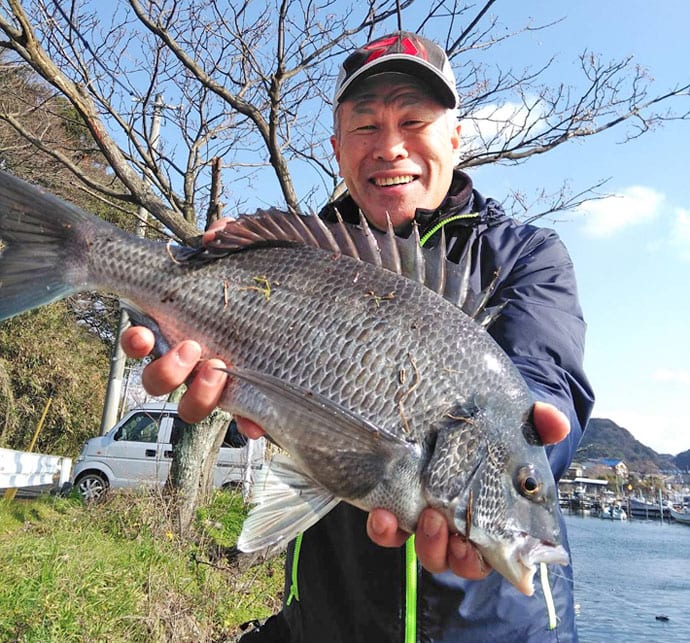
[[681, 516], [613, 512], [639, 508]]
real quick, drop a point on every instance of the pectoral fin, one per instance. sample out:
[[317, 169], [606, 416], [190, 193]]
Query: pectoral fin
[[346, 453], [286, 502]]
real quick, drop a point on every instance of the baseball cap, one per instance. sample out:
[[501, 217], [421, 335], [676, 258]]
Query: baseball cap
[[401, 52]]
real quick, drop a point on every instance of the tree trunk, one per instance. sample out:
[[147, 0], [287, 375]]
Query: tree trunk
[[193, 465]]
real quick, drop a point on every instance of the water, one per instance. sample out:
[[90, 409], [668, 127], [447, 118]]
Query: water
[[626, 575]]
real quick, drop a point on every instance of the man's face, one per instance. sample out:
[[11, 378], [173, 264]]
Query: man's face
[[396, 147]]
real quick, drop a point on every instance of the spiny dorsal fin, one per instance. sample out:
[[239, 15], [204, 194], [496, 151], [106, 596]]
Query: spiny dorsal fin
[[404, 256]]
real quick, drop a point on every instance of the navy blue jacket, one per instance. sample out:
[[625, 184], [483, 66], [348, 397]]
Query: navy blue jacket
[[342, 588]]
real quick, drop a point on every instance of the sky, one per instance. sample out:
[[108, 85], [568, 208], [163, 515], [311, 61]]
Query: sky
[[631, 250]]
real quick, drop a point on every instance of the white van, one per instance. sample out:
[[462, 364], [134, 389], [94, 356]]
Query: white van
[[138, 451]]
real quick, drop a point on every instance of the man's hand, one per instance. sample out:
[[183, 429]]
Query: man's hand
[[437, 549], [165, 374], [205, 382]]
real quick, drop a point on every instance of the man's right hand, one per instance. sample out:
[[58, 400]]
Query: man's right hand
[[183, 363]]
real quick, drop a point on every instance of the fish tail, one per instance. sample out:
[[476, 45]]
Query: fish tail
[[42, 247]]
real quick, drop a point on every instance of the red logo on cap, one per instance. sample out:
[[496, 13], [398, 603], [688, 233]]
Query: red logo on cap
[[383, 46]]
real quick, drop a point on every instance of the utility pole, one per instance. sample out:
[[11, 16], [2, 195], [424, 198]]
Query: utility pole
[[113, 393]]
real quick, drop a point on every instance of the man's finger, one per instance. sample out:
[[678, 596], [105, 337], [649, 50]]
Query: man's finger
[[137, 341], [464, 560], [431, 541], [551, 424], [204, 391], [165, 374], [249, 428], [210, 234], [382, 528]]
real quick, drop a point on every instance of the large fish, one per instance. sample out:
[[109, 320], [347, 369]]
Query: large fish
[[347, 345]]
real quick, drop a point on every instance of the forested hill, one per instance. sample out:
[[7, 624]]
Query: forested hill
[[605, 439]]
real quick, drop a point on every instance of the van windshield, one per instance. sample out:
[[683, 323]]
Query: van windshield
[[141, 427]]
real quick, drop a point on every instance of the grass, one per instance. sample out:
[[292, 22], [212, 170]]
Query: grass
[[116, 572]]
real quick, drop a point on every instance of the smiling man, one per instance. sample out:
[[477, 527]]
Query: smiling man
[[348, 578], [396, 147]]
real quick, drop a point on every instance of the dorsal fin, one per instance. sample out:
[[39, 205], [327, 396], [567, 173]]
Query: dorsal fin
[[402, 255]]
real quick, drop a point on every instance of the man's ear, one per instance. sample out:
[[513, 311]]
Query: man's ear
[[336, 150], [455, 142], [336, 147], [456, 136]]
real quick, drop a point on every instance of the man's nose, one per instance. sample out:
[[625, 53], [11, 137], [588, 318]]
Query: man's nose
[[390, 144]]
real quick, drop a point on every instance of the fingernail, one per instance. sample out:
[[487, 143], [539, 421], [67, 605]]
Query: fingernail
[[188, 353], [433, 523], [138, 342], [212, 372]]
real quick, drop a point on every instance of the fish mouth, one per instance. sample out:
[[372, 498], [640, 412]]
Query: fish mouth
[[391, 181], [517, 559]]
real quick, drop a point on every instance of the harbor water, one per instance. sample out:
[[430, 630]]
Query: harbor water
[[632, 580]]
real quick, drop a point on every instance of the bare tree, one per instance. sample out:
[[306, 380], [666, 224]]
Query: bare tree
[[249, 82]]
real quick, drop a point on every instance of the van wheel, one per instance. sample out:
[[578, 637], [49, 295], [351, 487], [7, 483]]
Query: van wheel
[[92, 487]]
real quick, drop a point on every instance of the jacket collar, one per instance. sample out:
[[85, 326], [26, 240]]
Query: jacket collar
[[459, 199]]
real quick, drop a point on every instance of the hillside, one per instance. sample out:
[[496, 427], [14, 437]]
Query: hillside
[[682, 460], [605, 439]]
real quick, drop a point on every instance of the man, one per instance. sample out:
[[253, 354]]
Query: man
[[397, 142]]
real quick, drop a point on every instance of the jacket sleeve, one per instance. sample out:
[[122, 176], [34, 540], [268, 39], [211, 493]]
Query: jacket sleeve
[[541, 326]]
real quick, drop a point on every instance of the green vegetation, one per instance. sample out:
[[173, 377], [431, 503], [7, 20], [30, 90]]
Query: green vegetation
[[45, 353], [115, 572]]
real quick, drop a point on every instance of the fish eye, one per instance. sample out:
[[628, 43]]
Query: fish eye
[[528, 482]]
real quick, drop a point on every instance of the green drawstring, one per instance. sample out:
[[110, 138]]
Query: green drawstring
[[294, 588], [410, 591], [440, 224]]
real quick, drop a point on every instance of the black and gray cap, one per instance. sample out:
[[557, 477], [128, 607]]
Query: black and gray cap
[[402, 52]]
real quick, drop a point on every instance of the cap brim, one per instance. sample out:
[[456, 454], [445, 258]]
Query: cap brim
[[403, 64]]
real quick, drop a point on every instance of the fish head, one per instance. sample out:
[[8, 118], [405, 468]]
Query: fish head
[[508, 507], [514, 509]]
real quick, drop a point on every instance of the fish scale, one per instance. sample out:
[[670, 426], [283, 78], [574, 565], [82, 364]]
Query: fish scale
[[383, 392], [306, 318]]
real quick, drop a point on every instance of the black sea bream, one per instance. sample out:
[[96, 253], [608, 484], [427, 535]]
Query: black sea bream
[[349, 346]]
